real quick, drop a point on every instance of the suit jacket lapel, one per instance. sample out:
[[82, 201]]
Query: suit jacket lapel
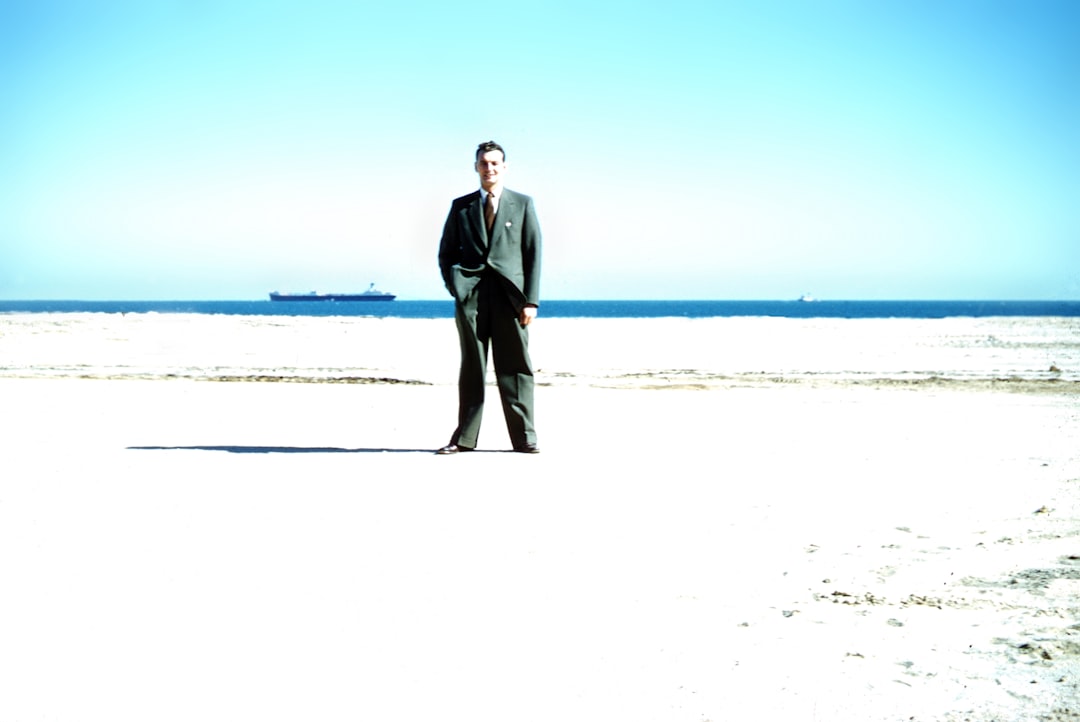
[[476, 217], [505, 210]]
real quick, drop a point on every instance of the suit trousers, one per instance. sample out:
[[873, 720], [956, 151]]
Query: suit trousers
[[487, 318]]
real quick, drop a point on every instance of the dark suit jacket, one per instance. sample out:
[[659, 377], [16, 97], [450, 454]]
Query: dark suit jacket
[[513, 251]]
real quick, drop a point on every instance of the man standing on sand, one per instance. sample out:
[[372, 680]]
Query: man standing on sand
[[490, 262]]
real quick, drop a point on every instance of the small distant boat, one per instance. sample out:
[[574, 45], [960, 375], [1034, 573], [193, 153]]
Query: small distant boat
[[371, 294], [806, 298]]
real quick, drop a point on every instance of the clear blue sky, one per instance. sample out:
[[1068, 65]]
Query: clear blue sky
[[208, 149]]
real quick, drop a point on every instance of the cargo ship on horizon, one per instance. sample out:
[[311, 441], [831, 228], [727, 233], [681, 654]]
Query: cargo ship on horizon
[[371, 294]]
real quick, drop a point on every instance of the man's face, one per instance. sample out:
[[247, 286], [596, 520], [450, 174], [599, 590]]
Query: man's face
[[490, 166]]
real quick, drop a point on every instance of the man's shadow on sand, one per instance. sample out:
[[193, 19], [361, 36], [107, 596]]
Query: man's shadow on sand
[[281, 449]]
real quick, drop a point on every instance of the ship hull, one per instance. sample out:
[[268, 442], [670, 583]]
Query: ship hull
[[316, 297]]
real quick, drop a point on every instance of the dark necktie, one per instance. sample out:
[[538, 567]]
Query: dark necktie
[[489, 213]]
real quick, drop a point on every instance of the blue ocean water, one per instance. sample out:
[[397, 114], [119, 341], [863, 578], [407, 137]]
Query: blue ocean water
[[573, 309]]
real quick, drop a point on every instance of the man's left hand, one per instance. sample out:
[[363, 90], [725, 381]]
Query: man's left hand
[[528, 313]]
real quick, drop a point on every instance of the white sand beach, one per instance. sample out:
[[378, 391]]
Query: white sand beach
[[226, 517]]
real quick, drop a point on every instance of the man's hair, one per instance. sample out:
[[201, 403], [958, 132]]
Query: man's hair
[[489, 146]]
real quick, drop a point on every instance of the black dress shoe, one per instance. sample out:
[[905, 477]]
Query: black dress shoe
[[527, 449], [452, 449]]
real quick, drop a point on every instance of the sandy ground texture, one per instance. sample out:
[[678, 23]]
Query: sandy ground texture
[[637, 353], [706, 536]]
